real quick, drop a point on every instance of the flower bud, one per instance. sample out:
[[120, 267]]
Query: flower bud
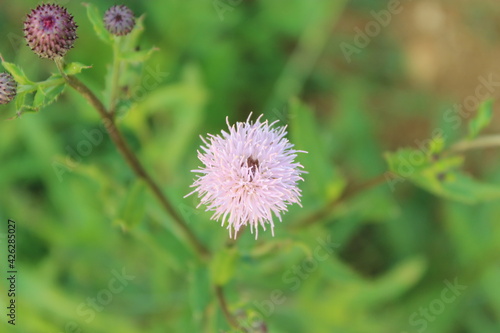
[[8, 88], [119, 20], [50, 31]]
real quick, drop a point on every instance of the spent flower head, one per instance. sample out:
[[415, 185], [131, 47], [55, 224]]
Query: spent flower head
[[8, 88], [50, 31], [248, 175], [119, 20]]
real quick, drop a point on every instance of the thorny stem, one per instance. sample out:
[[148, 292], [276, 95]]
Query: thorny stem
[[225, 310], [132, 159]]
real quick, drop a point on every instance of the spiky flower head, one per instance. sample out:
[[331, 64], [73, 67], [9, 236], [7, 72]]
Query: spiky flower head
[[119, 20], [8, 88], [50, 31], [248, 175]]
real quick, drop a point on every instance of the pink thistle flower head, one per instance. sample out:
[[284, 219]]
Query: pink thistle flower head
[[248, 175], [119, 20], [50, 31]]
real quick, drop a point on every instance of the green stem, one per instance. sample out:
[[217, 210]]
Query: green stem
[[487, 141], [219, 292], [115, 80], [348, 194], [132, 159]]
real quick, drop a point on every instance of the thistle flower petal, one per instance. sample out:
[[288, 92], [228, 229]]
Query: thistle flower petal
[[249, 175]]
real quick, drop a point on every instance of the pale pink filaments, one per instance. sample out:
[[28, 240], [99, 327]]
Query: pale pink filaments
[[249, 175]]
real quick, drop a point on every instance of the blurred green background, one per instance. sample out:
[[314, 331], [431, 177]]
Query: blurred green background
[[82, 219]]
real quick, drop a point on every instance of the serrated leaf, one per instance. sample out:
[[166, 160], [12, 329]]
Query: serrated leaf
[[46, 95], [75, 68], [24, 102], [95, 18], [482, 118], [224, 265], [132, 39], [16, 72], [439, 177], [20, 100]]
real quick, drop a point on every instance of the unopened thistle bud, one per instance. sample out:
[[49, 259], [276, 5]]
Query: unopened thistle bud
[[50, 31], [8, 88], [119, 20]]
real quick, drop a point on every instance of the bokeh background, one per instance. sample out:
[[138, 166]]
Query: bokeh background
[[83, 219]]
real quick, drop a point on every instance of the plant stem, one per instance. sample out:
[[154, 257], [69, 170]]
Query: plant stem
[[115, 81], [487, 141], [132, 159], [349, 193], [225, 310]]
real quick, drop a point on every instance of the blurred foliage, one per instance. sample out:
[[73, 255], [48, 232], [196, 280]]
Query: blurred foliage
[[394, 258]]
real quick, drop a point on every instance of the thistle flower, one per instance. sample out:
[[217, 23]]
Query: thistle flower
[[50, 31], [8, 88], [248, 175], [119, 20]]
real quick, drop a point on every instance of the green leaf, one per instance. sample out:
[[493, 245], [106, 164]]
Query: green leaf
[[95, 18], [395, 282], [482, 118], [439, 177], [75, 68], [20, 100], [323, 177], [224, 265], [461, 187], [132, 39], [137, 56], [16, 72], [46, 95], [200, 294], [134, 206]]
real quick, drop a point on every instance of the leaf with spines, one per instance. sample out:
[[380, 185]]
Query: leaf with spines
[[16, 72], [46, 95], [75, 68]]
